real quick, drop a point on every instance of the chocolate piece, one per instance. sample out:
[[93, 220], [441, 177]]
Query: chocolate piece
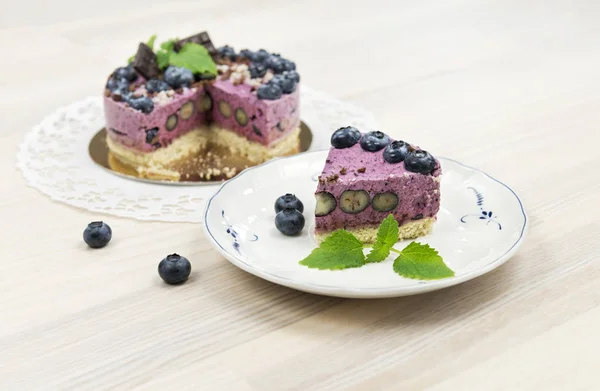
[[361, 170], [343, 171], [201, 39], [145, 62]]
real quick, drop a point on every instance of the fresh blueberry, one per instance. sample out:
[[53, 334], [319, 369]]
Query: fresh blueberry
[[419, 161], [174, 269], [257, 70], [112, 84], [249, 54], [289, 65], [143, 104], [127, 73], [269, 91], [275, 63], [288, 201], [396, 151], [374, 141], [97, 234], [261, 55], [292, 75], [289, 221], [288, 86], [124, 93], [178, 77], [345, 137], [227, 52], [155, 85]]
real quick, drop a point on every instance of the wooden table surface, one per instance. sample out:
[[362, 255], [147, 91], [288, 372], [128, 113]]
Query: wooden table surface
[[511, 87]]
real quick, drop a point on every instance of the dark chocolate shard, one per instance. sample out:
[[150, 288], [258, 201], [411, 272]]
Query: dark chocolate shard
[[145, 62], [201, 39]]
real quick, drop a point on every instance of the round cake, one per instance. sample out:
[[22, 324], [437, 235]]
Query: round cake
[[189, 111]]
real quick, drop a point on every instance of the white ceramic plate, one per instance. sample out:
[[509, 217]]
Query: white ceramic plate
[[239, 220]]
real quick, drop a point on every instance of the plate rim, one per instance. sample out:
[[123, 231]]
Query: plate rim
[[420, 287]]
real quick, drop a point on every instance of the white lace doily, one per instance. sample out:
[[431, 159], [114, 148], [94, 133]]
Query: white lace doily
[[54, 159]]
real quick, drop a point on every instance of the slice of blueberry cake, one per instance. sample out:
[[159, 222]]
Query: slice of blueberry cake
[[187, 100], [368, 176]]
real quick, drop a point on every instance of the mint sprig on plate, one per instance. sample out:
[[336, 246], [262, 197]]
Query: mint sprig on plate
[[342, 250]]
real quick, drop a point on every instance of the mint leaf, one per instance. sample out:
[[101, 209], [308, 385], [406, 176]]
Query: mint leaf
[[194, 57], [164, 54], [387, 236], [421, 262], [150, 42], [339, 251]]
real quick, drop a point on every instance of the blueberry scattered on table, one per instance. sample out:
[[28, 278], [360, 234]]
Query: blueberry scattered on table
[[419, 161], [345, 137], [374, 141], [288, 201], [289, 221], [97, 234], [174, 269]]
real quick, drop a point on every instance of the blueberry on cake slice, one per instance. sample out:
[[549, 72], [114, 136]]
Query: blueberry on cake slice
[[188, 101], [369, 176]]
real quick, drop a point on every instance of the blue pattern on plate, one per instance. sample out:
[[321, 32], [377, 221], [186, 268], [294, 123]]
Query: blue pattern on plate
[[235, 235], [485, 214]]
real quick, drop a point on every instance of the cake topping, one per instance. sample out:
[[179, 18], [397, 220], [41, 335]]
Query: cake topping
[[361, 170], [374, 141], [269, 91], [142, 103], [354, 201], [155, 85], [257, 70], [385, 202], [227, 52], [326, 203], [345, 137], [127, 73], [200, 39], [178, 77], [145, 62], [396, 151], [419, 161]]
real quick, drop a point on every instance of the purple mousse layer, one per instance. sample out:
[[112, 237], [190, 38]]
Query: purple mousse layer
[[148, 132], [267, 120], [356, 169]]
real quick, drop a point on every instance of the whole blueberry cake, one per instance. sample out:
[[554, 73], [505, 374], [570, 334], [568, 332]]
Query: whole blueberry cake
[[368, 176], [188, 101]]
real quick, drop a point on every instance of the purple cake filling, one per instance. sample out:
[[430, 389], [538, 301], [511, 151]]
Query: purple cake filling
[[238, 109], [355, 169], [234, 107], [147, 132]]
